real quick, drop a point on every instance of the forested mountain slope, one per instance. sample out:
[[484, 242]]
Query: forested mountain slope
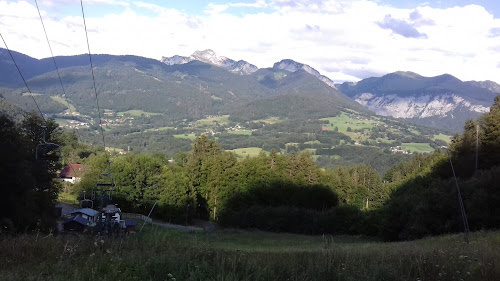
[[190, 90]]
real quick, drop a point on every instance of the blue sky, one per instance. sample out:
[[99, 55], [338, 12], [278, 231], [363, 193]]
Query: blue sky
[[346, 40], [492, 6]]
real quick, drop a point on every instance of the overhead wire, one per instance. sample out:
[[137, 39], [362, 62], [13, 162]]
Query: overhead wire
[[465, 221], [96, 99], [24, 80], [58, 75], [93, 76]]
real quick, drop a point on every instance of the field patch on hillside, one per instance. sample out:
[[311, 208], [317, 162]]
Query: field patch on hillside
[[417, 147], [247, 151], [212, 121], [443, 137], [185, 136], [62, 101], [345, 121], [136, 112]]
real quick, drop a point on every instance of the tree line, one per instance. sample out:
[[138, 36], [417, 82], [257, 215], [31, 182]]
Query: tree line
[[275, 192], [291, 193]]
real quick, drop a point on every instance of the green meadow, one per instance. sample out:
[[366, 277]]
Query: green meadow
[[247, 151], [344, 121], [417, 147], [161, 254], [186, 136], [136, 113]]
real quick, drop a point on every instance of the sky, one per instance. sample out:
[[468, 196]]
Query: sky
[[344, 40]]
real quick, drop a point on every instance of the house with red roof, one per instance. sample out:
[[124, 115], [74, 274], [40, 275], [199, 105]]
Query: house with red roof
[[72, 173]]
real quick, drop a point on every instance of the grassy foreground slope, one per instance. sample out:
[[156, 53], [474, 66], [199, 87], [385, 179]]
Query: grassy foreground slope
[[160, 254]]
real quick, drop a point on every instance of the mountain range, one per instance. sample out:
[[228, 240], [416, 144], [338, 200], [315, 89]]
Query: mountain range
[[178, 88], [440, 101], [207, 84]]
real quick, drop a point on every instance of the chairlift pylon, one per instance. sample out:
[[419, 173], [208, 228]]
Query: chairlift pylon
[[47, 151]]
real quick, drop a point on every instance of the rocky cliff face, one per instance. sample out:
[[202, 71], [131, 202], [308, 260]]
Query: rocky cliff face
[[409, 95], [442, 101], [418, 106]]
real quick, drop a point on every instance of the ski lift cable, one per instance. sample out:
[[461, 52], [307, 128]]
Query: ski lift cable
[[93, 76], [111, 183], [58, 74], [22, 77], [465, 221]]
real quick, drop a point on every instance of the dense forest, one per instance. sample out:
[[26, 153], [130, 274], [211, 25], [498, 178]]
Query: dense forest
[[28, 192], [273, 192]]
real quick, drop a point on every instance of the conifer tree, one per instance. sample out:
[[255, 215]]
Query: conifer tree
[[490, 139]]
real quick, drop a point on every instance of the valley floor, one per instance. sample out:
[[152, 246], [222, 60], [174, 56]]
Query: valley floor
[[164, 254]]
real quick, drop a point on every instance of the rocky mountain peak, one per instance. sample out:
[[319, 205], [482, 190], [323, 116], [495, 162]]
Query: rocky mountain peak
[[293, 66], [174, 60], [209, 56]]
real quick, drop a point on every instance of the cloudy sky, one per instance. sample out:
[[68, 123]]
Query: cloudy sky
[[345, 40]]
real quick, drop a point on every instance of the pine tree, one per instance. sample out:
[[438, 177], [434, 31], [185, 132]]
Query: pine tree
[[490, 139]]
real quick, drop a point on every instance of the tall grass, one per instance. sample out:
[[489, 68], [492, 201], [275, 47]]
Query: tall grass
[[167, 255]]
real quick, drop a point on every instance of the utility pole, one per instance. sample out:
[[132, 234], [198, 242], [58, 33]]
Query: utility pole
[[477, 145]]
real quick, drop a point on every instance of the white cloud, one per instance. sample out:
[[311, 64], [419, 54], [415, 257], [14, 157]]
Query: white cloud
[[342, 39]]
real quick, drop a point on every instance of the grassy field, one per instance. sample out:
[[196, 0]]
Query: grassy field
[[68, 198], [158, 129], [417, 147], [186, 136], [62, 101], [413, 131], [240, 132], [247, 151], [270, 120], [222, 120], [135, 112], [443, 137], [113, 149], [312, 142], [343, 121], [62, 122], [161, 254]]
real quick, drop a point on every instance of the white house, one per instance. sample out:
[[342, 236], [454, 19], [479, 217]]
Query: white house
[[72, 173]]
